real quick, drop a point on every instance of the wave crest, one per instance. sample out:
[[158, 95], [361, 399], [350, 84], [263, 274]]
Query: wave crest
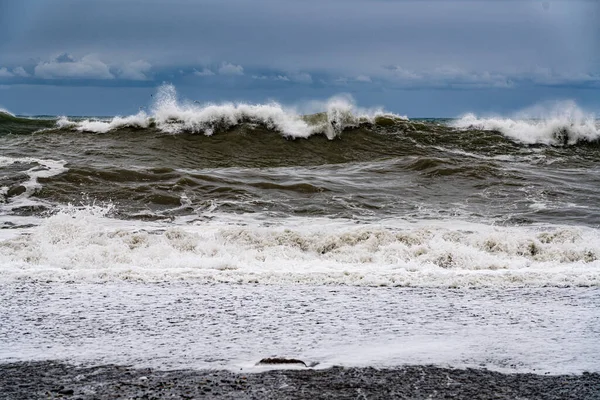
[[7, 113], [562, 124], [170, 115]]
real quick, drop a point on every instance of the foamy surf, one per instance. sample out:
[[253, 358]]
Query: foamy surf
[[86, 245], [175, 326], [562, 124]]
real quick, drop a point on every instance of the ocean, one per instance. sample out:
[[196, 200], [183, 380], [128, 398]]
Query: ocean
[[214, 235]]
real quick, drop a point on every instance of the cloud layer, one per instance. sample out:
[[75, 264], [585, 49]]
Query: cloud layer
[[65, 66], [91, 67], [276, 49]]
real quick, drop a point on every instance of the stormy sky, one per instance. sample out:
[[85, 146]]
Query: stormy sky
[[420, 58]]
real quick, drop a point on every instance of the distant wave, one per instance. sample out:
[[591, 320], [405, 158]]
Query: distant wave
[[7, 115], [5, 112], [562, 124], [11, 123], [170, 115]]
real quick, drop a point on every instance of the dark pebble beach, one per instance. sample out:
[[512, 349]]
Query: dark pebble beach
[[51, 380]]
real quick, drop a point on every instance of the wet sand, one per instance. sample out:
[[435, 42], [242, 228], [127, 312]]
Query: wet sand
[[48, 380]]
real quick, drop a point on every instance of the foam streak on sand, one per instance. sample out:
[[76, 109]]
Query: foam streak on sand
[[179, 325], [86, 245]]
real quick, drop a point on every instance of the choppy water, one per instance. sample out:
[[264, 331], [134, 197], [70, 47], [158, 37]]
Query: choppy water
[[246, 195], [262, 193]]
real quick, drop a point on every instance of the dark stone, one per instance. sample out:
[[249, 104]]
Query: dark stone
[[15, 191], [280, 361]]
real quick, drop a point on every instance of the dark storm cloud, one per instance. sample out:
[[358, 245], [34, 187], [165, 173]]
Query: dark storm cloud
[[345, 35], [292, 47]]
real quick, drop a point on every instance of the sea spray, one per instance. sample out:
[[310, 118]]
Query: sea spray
[[170, 115], [563, 123]]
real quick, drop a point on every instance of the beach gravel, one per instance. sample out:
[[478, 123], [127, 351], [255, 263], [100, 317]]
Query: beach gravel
[[51, 380]]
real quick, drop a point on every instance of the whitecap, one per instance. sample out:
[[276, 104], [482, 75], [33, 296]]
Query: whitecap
[[171, 115], [563, 123]]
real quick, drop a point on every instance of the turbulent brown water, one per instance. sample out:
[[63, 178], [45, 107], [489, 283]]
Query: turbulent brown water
[[381, 167], [365, 196], [211, 236]]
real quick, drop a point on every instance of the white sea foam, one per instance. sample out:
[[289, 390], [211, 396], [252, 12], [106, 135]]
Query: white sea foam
[[171, 115], [86, 245], [139, 120], [175, 326], [561, 123], [44, 168]]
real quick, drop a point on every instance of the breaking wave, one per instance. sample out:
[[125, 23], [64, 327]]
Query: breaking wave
[[84, 244], [169, 115], [562, 124]]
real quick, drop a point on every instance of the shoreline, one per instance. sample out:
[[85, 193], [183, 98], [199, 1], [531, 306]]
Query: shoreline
[[54, 379]]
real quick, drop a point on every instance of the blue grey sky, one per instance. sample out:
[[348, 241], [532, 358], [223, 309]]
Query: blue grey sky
[[419, 58]]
